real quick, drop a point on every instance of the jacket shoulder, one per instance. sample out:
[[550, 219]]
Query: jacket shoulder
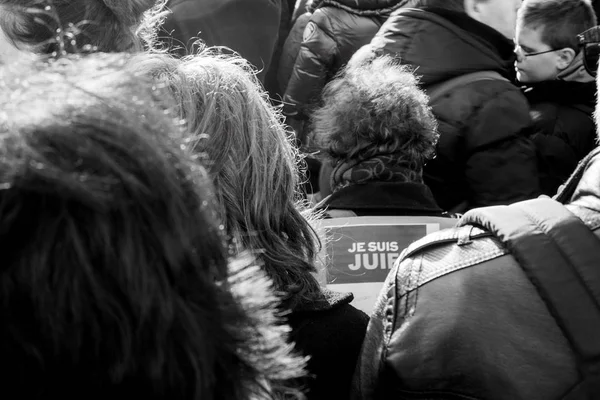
[[444, 252]]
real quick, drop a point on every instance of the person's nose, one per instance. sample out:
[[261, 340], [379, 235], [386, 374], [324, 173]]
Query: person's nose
[[519, 55]]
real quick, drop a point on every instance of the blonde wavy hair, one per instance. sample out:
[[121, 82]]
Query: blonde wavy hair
[[241, 139]]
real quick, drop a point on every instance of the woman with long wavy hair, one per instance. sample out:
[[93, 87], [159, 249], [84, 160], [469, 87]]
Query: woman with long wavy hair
[[249, 154], [115, 277]]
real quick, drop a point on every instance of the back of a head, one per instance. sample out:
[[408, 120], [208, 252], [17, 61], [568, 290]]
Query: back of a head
[[252, 161], [376, 109], [115, 278], [560, 21], [90, 25]]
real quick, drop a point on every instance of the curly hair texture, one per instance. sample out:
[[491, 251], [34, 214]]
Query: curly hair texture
[[60, 26], [375, 108], [115, 280], [252, 161]]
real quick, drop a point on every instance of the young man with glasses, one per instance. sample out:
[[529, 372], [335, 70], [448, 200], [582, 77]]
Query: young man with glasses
[[557, 65]]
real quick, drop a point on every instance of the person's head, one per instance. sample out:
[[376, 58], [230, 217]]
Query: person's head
[[115, 279], [376, 109], [497, 14], [546, 37], [251, 159], [55, 26]]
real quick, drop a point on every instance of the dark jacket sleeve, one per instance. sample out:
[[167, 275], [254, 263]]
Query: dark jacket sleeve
[[501, 160], [291, 48], [249, 27], [562, 136], [333, 341], [484, 154], [312, 68]]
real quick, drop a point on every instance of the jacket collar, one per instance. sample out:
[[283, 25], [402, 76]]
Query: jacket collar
[[408, 196], [327, 301], [562, 92], [444, 44], [488, 36]]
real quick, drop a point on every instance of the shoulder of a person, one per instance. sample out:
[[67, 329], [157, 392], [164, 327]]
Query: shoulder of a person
[[557, 118], [445, 252], [491, 98], [490, 91]]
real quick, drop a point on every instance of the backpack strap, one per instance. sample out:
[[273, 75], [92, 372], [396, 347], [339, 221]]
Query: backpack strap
[[561, 257], [437, 91]]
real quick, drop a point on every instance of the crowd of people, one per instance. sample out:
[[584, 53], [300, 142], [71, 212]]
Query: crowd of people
[[164, 165]]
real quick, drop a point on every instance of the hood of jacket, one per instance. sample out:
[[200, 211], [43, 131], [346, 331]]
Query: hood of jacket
[[443, 44], [365, 7]]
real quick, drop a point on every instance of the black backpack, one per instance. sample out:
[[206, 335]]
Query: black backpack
[[561, 257]]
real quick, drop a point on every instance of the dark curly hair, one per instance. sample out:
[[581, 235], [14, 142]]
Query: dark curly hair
[[375, 108], [115, 279]]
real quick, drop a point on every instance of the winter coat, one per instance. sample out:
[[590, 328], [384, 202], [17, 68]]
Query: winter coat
[[458, 318], [483, 154], [385, 199], [292, 44], [335, 31], [564, 128], [248, 27], [331, 332]]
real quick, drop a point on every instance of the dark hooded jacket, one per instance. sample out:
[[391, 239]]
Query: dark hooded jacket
[[564, 128], [248, 27], [336, 29], [292, 44], [483, 155]]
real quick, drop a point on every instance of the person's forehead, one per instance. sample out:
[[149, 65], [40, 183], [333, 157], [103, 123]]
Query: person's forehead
[[529, 36]]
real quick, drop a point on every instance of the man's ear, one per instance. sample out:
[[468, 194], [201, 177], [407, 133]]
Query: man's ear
[[472, 8], [565, 57]]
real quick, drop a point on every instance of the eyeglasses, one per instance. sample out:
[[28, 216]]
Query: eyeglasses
[[521, 54]]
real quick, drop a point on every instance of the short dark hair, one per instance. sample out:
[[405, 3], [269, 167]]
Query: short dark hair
[[115, 281], [376, 108], [560, 21]]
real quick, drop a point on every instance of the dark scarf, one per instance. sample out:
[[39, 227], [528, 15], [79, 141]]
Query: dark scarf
[[382, 168]]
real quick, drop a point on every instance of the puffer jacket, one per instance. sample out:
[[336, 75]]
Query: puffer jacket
[[458, 319], [292, 44], [564, 128], [483, 155], [336, 29]]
